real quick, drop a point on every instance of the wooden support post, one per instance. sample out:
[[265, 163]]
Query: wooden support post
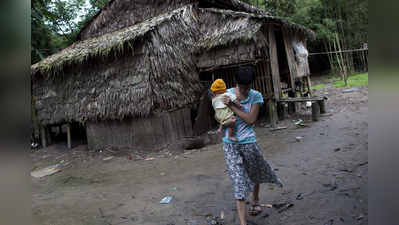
[[48, 134], [32, 137], [322, 108], [301, 88], [273, 76], [69, 135], [263, 78], [272, 108], [256, 68], [272, 113], [309, 86], [264, 107], [281, 110], [43, 136], [224, 74], [315, 111], [295, 106]]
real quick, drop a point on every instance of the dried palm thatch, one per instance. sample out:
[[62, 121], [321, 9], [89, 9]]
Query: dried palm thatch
[[100, 46], [278, 20], [161, 75], [118, 14], [131, 12], [218, 29]]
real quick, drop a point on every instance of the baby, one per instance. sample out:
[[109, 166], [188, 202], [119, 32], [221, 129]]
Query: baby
[[223, 113]]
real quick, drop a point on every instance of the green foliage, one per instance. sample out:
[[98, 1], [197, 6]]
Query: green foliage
[[346, 18], [356, 80], [54, 24], [280, 8], [96, 6]]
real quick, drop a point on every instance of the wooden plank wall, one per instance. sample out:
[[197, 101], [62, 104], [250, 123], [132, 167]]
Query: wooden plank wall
[[287, 35], [226, 55], [147, 133], [205, 115], [260, 84], [274, 64]]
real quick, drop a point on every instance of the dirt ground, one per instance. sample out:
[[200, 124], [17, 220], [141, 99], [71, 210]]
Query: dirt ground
[[323, 166]]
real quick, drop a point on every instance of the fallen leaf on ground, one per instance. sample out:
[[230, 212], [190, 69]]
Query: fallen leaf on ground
[[285, 217], [305, 194], [330, 222], [360, 216]]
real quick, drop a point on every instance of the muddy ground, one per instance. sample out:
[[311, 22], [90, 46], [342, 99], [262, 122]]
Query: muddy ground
[[325, 173]]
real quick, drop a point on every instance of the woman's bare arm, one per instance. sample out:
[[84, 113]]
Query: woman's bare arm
[[250, 118]]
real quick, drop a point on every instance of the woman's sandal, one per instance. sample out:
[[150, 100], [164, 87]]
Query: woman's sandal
[[254, 211]]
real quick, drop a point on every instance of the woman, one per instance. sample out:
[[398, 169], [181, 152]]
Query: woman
[[246, 165]]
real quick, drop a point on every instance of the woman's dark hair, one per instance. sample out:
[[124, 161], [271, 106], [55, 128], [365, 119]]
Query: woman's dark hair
[[245, 75]]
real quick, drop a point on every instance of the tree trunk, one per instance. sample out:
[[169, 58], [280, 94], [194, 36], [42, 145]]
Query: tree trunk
[[48, 134], [336, 54], [69, 135], [43, 136], [343, 64], [329, 55]]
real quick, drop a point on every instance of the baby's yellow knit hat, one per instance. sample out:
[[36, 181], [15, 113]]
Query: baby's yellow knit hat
[[218, 86]]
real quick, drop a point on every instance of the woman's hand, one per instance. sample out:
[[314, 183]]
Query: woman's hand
[[226, 100]]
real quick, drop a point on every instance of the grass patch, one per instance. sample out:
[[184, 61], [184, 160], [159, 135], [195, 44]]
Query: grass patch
[[355, 80], [318, 86]]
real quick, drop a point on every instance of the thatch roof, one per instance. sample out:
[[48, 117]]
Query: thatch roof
[[103, 45], [235, 30], [100, 46], [118, 14], [219, 29]]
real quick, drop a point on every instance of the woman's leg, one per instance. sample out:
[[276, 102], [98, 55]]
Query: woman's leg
[[255, 195], [255, 199], [240, 203]]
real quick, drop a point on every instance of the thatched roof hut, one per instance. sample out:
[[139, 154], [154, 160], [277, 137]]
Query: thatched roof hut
[[129, 72], [137, 62]]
